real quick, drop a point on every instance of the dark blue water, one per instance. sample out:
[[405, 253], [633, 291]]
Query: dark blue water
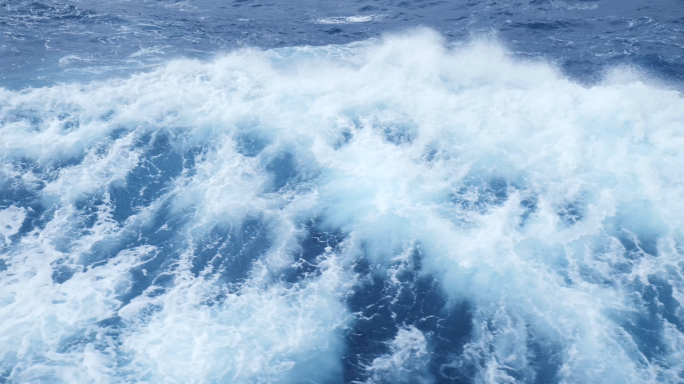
[[49, 42], [342, 191]]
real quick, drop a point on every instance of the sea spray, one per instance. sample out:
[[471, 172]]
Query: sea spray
[[384, 211]]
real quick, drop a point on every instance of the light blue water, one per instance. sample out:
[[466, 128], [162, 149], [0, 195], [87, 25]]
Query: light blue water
[[338, 192]]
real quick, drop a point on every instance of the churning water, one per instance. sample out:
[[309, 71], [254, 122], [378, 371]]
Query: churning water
[[325, 196]]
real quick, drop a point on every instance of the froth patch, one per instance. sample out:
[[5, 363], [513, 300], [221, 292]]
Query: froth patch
[[348, 19], [11, 219], [185, 220]]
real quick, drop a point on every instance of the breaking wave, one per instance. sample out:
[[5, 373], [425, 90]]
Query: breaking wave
[[395, 210]]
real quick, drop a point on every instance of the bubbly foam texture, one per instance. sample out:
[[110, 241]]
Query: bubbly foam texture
[[224, 221], [347, 20]]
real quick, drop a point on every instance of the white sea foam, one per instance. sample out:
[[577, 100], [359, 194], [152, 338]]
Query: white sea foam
[[347, 19], [11, 219], [68, 59], [550, 207], [406, 362]]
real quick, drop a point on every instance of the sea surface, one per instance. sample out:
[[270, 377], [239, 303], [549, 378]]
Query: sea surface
[[254, 191]]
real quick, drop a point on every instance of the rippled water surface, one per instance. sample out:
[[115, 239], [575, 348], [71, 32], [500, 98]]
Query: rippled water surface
[[48, 42], [341, 192]]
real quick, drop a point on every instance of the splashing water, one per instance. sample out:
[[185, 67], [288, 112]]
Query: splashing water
[[394, 210]]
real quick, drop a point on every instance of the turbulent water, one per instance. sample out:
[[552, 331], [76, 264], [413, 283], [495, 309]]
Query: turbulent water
[[319, 192]]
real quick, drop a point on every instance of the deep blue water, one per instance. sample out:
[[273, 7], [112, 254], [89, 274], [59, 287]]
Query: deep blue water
[[342, 191], [49, 42]]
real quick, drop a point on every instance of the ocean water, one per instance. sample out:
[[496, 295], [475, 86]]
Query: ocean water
[[342, 191]]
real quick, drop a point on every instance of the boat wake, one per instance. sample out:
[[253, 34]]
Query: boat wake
[[394, 210]]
